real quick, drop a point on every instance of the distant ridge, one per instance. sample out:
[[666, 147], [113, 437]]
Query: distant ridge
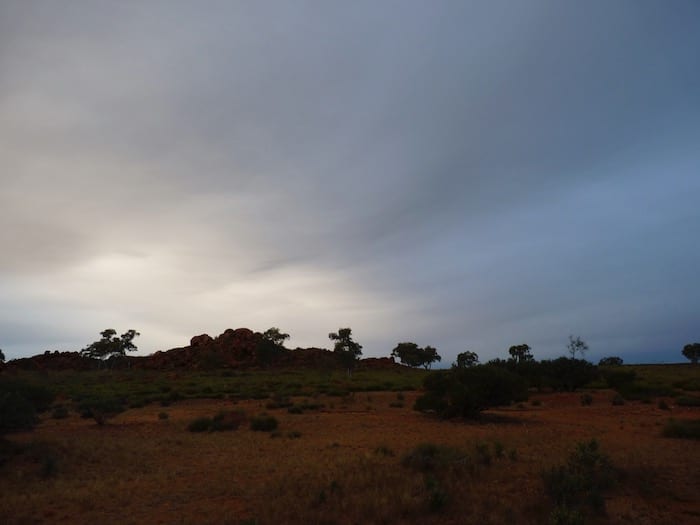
[[241, 348]]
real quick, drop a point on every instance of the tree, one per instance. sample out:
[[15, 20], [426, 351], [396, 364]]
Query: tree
[[520, 353], [111, 345], [347, 350], [2, 356], [610, 361], [691, 352], [412, 355], [466, 360], [270, 346], [408, 353], [430, 356], [576, 346], [275, 336]]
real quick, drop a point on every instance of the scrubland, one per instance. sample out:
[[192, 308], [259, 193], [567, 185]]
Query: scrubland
[[348, 451]]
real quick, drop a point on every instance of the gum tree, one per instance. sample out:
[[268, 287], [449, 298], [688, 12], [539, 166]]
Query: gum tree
[[347, 350]]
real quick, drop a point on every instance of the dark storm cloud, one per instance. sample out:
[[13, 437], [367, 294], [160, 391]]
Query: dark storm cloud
[[465, 174]]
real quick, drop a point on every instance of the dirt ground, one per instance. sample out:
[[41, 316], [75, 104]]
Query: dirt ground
[[143, 468]]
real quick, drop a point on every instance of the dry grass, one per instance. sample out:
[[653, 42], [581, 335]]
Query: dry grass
[[345, 465]]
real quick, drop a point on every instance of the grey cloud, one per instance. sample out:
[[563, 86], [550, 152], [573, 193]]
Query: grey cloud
[[433, 154]]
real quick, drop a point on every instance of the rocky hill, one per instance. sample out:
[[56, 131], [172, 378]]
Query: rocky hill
[[238, 349]]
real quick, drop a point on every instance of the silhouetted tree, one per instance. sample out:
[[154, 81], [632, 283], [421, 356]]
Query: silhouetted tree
[[408, 353], [412, 355], [270, 346], [466, 360], [2, 356], [692, 352], [430, 356], [110, 345], [610, 361], [576, 346], [275, 336], [520, 353], [345, 348]]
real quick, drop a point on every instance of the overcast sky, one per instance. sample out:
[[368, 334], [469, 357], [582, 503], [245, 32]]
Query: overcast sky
[[468, 175]]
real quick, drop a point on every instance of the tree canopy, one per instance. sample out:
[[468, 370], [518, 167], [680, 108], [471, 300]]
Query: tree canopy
[[576, 346], [466, 360], [520, 353], [275, 336], [691, 352], [610, 361], [345, 348], [413, 355], [111, 345]]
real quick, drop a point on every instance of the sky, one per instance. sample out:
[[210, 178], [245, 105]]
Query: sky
[[469, 175]]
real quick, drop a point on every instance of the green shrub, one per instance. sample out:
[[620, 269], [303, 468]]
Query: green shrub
[[437, 496], [465, 392], [683, 429], [616, 378], [581, 482], [16, 413], [562, 515], [38, 396], [566, 374], [263, 423]]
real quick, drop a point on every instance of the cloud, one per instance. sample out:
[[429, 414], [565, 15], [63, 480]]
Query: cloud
[[465, 175]]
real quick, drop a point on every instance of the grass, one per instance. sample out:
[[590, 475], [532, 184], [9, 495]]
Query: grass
[[138, 388]]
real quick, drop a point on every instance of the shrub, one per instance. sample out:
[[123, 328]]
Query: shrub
[[437, 496], [16, 413], [688, 401], [465, 392], [383, 450], [683, 429], [562, 515], [227, 421], [101, 409], [59, 412], [618, 400], [567, 374], [263, 423], [586, 400], [163, 415], [663, 405], [38, 396], [429, 456], [615, 378], [201, 424], [580, 482]]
